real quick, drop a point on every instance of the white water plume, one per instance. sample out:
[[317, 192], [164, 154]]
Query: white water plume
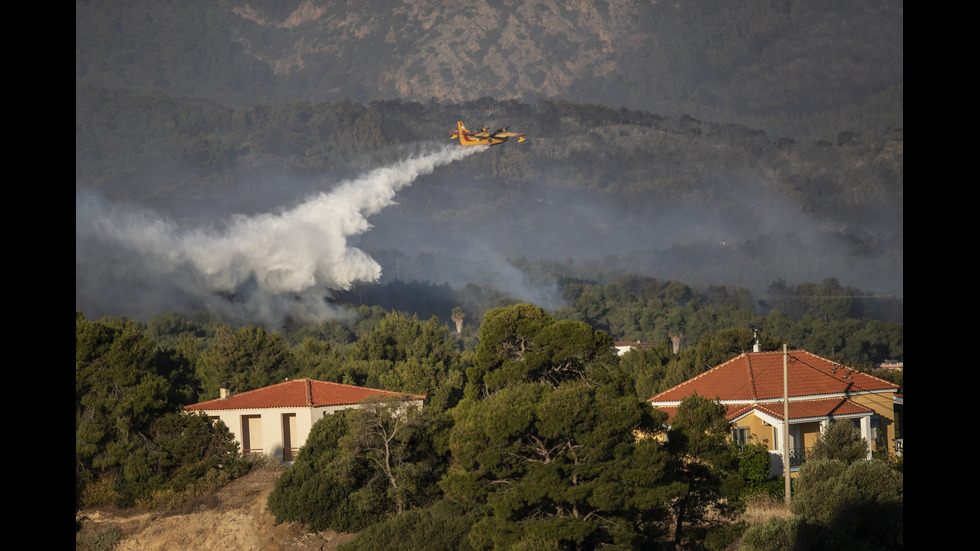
[[265, 267]]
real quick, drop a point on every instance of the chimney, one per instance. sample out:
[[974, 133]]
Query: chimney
[[757, 347], [223, 391]]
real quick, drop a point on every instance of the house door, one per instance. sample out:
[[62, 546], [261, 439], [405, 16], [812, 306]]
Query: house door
[[289, 441], [251, 434]]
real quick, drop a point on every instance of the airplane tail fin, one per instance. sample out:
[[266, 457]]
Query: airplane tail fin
[[461, 132]]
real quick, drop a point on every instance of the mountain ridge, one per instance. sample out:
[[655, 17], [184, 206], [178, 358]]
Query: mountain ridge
[[791, 68]]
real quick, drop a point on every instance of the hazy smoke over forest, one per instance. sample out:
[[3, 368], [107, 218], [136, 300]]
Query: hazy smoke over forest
[[267, 267]]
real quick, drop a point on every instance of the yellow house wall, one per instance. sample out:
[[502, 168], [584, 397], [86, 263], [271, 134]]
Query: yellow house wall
[[884, 405], [759, 433], [810, 433]]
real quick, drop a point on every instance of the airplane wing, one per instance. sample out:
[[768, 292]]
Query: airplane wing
[[505, 133]]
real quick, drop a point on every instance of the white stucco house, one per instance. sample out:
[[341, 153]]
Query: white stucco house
[[276, 420], [623, 347]]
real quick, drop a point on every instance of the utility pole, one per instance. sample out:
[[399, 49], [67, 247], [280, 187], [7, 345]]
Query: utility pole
[[786, 477]]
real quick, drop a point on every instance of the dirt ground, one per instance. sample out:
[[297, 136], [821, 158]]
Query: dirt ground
[[234, 518]]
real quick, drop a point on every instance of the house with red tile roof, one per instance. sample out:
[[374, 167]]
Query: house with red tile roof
[[819, 391], [276, 420]]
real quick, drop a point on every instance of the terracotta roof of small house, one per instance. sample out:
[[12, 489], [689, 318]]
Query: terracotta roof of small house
[[758, 377], [634, 344], [298, 393]]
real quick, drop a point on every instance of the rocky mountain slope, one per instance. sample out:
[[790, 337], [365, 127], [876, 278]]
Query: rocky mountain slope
[[787, 67]]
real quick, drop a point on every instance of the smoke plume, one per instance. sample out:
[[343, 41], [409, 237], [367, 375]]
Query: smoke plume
[[263, 268]]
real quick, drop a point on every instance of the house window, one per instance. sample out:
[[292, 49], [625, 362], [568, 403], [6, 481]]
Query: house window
[[741, 435]]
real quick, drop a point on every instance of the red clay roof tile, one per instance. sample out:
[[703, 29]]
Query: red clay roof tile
[[754, 381], [758, 376], [297, 393]]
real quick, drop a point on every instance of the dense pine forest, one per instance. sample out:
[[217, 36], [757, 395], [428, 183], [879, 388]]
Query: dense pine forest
[[134, 448]]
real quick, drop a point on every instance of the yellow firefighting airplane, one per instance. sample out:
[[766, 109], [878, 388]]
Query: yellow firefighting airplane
[[484, 136]]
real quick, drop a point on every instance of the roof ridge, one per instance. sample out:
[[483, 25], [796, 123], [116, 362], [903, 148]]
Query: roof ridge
[[748, 363]]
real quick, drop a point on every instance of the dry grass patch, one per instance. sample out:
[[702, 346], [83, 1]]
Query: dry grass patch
[[760, 509]]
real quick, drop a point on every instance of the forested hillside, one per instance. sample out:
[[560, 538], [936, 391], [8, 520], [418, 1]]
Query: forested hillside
[[594, 193], [759, 144], [808, 70]]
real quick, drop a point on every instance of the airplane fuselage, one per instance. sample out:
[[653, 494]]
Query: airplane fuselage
[[484, 137]]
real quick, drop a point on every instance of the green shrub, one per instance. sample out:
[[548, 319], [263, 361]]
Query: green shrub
[[754, 462], [774, 489], [841, 440], [321, 490], [861, 502], [780, 534], [103, 540], [168, 498], [99, 493], [721, 538], [261, 461], [444, 526]]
